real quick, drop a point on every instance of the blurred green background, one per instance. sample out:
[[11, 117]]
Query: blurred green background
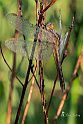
[[74, 103]]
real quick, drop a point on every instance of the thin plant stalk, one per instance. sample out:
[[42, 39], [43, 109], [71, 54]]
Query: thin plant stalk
[[10, 67], [29, 97], [64, 55], [43, 99], [74, 75], [9, 111]]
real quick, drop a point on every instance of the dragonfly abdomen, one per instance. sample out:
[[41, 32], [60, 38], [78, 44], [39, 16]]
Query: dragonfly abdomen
[[61, 77], [58, 65]]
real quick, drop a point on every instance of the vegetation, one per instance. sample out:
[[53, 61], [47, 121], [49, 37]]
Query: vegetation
[[70, 111]]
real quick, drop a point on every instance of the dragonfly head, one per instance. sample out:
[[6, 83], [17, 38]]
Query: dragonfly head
[[50, 26]]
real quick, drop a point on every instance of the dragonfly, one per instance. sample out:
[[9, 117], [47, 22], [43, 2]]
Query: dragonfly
[[48, 41]]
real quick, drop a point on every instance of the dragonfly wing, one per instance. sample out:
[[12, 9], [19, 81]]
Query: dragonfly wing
[[21, 25], [45, 35], [62, 45], [16, 46], [42, 50]]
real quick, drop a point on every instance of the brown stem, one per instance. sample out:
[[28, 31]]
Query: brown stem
[[29, 97], [16, 75], [41, 71], [67, 90], [64, 55], [51, 94], [9, 112], [10, 67], [23, 92], [77, 65], [61, 106], [52, 91], [50, 4], [26, 80], [44, 103], [33, 72], [43, 92]]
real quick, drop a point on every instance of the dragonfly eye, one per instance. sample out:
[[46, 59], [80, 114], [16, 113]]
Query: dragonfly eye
[[50, 26]]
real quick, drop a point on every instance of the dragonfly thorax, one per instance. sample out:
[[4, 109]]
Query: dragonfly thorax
[[49, 26]]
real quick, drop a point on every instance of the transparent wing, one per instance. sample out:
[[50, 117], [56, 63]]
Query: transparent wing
[[45, 35], [28, 29], [43, 50], [21, 25], [62, 45]]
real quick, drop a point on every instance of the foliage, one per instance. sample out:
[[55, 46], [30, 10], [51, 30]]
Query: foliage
[[74, 103]]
